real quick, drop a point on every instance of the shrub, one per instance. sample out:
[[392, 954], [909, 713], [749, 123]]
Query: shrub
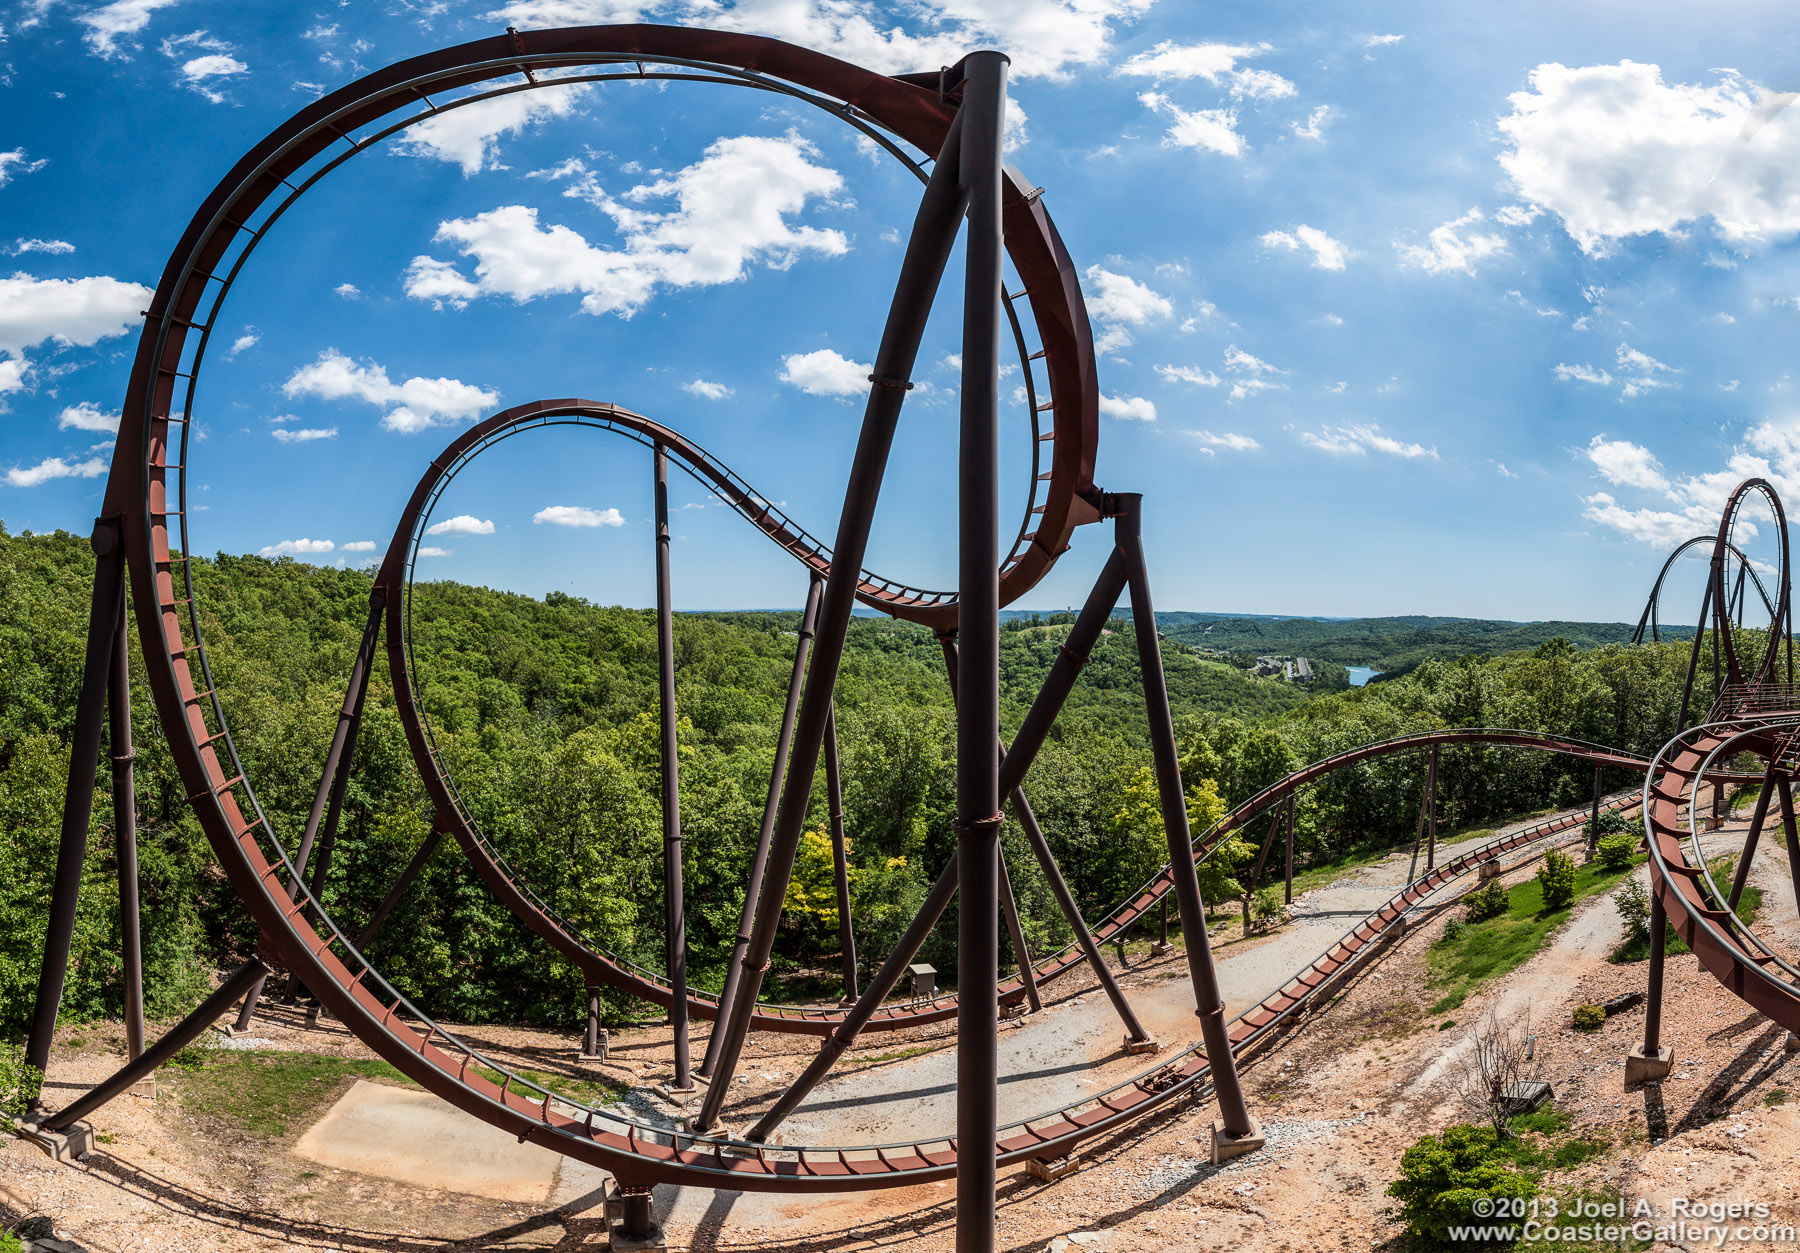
[[18, 1082], [1589, 1017], [1616, 851], [1441, 1178], [1557, 878], [1453, 930], [1486, 902], [1611, 822], [1266, 908], [1632, 900]]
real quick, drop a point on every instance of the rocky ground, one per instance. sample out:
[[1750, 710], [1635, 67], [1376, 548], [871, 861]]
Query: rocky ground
[[1340, 1097]]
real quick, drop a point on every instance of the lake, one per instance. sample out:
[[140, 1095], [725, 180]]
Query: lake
[[1360, 675]]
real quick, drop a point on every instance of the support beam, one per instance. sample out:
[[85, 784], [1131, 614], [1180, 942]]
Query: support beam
[[809, 619], [927, 252], [1757, 816], [978, 816], [1593, 840], [1235, 1121], [1009, 906], [412, 871], [1785, 790], [840, 857], [1650, 1060], [1431, 793], [674, 906], [124, 792], [1288, 887], [78, 798]]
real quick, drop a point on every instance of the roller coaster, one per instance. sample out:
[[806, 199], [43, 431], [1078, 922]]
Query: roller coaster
[[945, 126]]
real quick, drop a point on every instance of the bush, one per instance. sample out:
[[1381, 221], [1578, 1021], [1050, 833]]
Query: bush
[[1589, 1017], [1441, 1178], [1453, 931], [1486, 902], [1632, 900], [1616, 851], [1611, 822], [1557, 877], [1266, 908], [18, 1082]]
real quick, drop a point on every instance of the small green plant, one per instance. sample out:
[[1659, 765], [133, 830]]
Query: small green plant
[[1776, 1096], [1589, 1017], [1632, 900], [9, 1243], [1486, 902], [1443, 1176], [1266, 909], [1453, 931], [1611, 823], [18, 1083], [1557, 879], [1616, 851]]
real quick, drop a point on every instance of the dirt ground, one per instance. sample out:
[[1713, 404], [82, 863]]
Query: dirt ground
[[1340, 1097]]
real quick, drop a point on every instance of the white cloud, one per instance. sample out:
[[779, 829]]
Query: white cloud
[[469, 135], [1314, 127], [1111, 339], [1657, 527], [1614, 151], [1454, 248], [55, 247], [1131, 408], [707, 390], [578, 515], [110, 23], [1518, 214], [304, 434], [88, 416], [1626, 464], [1120, 298], [349, 291], [1249, 375], [55, 468], [1044, 38], [411, 406], [1328, 253], [1362, 439], [1382, 41], [1216, 63], [70, 311], [12, 374], [359, 546], [1230, 439], [430, 550], [246, 340], [1213, 130], [1638, 373], [1502, 471], [825, 373], [461, 524], [298, 548], [200, 71], [1189, 374], [14, 163], [731, 211]]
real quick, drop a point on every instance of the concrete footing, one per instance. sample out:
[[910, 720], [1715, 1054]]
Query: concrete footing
[[1792, 1043], [1049, 1170], [631, 1221], [1018, 1009], [1641, 1067], [680, 1097], [72, 1145], [1486, 870], [145, 1087], [1149, 1044], [1226, 1146]]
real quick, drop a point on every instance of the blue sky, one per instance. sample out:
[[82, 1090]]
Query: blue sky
[[1404, 308]]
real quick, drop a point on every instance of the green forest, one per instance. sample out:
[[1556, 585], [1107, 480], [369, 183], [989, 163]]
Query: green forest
[[546, 712]]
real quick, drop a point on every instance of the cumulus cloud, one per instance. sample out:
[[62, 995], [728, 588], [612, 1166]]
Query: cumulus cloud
[[1327, 253], [1189, 374], [1314, 126], [88, 416], [578, 515], [1638, 373], [246, 340], [349, 291], [707, 390], [1044, 38], [359, 546], [110, 23], [304, 434], [55, 247], [1456, 247], [1216, 63], [54, 468], [1626, 464], [1248, 374], [298, 548], [70, 311], [1130, 408], [1121, 298], [12, 374], [469, 135], [414, 405], [1614, 152], [1382, 41], [430, 550], [13, 164], [1211, 130], [1229, 439], [200, 72], [731, 211], [461, 524], [1360, 440], [825, 373]]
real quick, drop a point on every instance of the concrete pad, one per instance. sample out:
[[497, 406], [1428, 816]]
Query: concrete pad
[[413, 1137]]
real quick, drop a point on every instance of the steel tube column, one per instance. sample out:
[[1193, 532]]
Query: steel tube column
[[1784, 789], [1653, 1006], [675, 908], [1209, 1005], [1288, 890], [172, 1042], [1757, 817], [1431, 780], [78, 798], [978, 816], [840, 856], [131, 940], [1009, 908], [405, 880], [927, 252], [1593, 840], [809, 619]]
